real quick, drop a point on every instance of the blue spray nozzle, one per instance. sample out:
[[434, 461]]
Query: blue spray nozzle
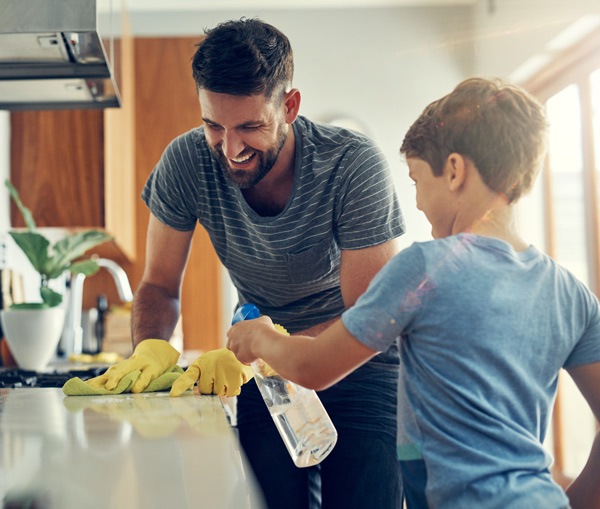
[[246, 312]]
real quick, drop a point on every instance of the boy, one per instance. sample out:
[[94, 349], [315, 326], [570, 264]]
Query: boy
[[483, 320]]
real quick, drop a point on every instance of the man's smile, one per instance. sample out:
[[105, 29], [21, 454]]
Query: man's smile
[[243, 159]]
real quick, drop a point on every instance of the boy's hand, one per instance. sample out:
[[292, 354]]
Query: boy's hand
[[152, 357], [242, 335]]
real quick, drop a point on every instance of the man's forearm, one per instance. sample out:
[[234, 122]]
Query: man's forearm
[[154, 314]]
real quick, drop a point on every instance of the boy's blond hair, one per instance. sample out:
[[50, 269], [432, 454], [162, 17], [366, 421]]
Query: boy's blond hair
[[500, 127]]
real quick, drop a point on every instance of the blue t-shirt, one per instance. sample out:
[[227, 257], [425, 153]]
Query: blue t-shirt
[[483, 332]]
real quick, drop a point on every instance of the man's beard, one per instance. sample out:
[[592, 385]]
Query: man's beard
[[244, 179]]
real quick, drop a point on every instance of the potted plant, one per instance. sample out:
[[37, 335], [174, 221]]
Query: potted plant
[[33, 329]]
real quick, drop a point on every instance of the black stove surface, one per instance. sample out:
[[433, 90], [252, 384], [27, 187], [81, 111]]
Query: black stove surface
[[16, 378]]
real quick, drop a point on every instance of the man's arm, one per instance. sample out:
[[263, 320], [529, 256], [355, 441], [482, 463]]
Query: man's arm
[[584, 492], [315, 363], [156, 305], [357, 268]]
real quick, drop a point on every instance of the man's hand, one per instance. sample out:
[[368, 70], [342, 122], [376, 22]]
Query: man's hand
[[217, 372], [152, 357]]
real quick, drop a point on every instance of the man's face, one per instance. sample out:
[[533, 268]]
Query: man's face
[[245, 133], [433, 197]]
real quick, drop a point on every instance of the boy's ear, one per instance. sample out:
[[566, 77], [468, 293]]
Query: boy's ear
[[291, 103], [455, 171]]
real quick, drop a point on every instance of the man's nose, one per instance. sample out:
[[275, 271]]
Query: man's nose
[[232, 144]]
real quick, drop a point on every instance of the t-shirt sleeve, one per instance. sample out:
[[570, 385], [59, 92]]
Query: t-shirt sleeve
[[587, 349], [390, 303], [169, 192], [368, 212]]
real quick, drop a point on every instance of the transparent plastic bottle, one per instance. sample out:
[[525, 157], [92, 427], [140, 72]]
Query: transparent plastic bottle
[[300, 417]]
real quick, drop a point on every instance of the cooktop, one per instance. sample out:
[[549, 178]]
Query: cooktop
[[14, 378]]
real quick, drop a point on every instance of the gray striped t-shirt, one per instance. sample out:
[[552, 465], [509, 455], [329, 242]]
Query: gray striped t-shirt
[[288, 265]]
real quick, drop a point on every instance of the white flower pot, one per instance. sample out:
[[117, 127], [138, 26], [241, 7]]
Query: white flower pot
[[32, 335]]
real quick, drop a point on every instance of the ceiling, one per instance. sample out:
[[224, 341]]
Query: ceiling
[[212, 5]]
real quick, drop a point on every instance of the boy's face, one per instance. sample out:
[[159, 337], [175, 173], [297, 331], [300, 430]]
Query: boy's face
[[433, 197]]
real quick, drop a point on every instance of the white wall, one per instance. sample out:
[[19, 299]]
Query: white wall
[[506, 36], [4, 173]]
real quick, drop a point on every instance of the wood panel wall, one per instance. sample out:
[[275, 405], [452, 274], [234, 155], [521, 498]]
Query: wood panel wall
[[56, 162], [166, 106]]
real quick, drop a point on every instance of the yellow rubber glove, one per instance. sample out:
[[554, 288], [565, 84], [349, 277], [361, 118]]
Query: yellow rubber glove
[[217, 372], [152, 357]]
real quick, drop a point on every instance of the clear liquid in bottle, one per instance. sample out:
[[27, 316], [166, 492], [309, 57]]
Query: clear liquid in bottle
[[300, 417]]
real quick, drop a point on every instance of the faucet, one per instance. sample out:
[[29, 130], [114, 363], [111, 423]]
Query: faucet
[[72, 337]]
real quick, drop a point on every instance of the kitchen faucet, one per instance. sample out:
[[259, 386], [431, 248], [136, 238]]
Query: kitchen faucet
[[72, 337]]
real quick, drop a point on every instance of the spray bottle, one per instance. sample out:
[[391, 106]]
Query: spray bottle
[[300, 417]]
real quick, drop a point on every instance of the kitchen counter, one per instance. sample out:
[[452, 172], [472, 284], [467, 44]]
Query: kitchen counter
[[123, 451]]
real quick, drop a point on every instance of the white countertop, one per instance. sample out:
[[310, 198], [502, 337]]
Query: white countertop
[[123, 451]]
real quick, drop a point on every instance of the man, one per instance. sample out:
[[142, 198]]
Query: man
[[302, 216]]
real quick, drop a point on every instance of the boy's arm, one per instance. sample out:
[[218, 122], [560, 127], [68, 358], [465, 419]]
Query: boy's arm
[[584, 492], [315, 363]]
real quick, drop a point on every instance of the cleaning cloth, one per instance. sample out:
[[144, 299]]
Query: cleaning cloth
[[77, 387]]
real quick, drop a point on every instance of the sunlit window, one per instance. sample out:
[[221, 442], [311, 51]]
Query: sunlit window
[[566, 182], [595, 88]]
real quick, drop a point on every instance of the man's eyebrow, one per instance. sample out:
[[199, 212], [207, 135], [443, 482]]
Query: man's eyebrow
[[243, 124]]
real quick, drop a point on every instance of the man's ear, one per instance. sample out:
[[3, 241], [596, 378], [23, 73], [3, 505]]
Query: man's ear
[[291, 103], [455, 171]]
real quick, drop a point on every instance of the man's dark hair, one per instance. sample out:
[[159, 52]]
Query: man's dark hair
[[243, 57]]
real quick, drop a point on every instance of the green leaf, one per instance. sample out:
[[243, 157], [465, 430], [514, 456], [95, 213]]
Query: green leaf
[[30, 305], [50, 297], [71, 247], [25, 212], [87, 267], [35, 247]]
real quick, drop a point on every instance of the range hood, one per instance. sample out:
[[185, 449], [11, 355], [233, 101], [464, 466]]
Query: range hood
[[59, 54]]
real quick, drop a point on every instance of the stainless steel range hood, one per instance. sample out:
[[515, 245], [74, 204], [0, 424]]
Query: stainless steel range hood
[[59, 54]]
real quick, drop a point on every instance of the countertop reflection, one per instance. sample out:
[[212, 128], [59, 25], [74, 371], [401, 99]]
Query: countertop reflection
[[123, 451]]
